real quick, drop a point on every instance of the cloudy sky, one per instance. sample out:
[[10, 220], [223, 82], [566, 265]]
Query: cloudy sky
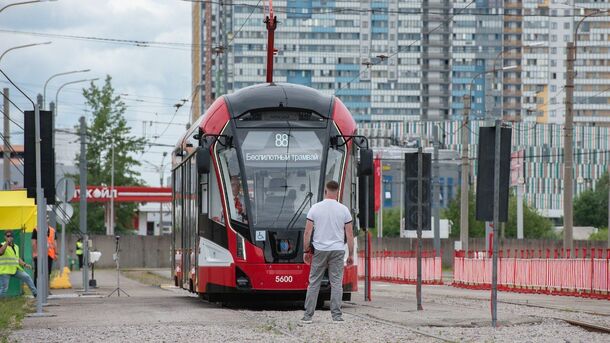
[[153, 77]]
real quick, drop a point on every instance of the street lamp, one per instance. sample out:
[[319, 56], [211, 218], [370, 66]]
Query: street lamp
[[53, 214], [501, 54], [44, 91], [568, 162], [464, 188], [21, 47], [66, 84], [23, 3]]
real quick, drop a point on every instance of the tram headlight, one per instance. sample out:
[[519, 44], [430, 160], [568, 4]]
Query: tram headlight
[[241, 247]]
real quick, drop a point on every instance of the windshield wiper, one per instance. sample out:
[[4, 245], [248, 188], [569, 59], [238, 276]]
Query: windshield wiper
[[299, 211]]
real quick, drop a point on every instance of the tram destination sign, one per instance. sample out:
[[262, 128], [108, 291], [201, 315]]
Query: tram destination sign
[[283, 157]]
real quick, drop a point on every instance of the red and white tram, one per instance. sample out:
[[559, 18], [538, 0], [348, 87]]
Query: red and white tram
[[245, 175]]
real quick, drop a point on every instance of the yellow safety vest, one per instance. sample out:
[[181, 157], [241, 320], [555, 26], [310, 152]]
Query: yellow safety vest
[[9, 261], [79, 248]]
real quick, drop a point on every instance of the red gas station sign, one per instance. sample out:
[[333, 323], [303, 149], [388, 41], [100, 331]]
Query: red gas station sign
[[126, 194]]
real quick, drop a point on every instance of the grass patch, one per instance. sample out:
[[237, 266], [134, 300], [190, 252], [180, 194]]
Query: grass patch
[[12, 311], [146, 277]]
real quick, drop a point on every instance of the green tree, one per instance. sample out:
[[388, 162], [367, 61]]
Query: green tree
[[534, 225], [591, 206], [452, 212], [106, 128], [601, 235]]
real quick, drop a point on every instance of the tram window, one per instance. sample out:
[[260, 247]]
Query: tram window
[[203, 205], [282, 170], [215, 204], [346, 197], [178, 207], [334, 164], [231, 177]]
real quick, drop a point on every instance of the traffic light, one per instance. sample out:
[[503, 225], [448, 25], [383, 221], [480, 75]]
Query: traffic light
[[47, 155], [411, 191]]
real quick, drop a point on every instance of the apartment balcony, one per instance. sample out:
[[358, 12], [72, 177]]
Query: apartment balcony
[[435, 79], [441, 68], [511, 93], [511, 81], [513, 4], [435, 92], [518, 30]]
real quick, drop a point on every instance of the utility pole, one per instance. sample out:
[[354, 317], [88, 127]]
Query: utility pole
[[41, 218], [436, 201], [380, 215], [160, 203], [83, 202], [465, 176], [6, 153], [608, 204], [111, 226], [568, 150]]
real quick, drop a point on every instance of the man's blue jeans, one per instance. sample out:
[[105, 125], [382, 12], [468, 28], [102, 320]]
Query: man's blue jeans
[[21, 275]]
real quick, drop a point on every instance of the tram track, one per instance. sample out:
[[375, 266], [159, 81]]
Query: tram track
[[271, 325], [587, 326], [396, 325]]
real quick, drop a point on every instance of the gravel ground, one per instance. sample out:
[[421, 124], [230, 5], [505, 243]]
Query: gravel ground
[[548, 330], [154, 314]]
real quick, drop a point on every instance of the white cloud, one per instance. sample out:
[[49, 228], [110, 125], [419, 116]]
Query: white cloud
[[159, 76]]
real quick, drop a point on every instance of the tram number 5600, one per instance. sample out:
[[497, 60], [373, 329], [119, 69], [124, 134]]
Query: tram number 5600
[[284, 278], [281, 139]]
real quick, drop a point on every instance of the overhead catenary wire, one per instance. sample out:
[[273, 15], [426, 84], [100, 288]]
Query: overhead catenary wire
[[479, 11], [12, 121]]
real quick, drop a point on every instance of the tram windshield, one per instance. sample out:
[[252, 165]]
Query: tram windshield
[[282, 169]]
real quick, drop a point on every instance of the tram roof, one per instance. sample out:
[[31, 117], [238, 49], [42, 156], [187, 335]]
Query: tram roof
[[273, 95]]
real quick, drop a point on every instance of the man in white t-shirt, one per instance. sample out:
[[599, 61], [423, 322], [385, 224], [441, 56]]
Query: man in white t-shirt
[[333, 226]]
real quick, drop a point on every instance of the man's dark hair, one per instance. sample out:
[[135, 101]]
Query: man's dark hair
[[332, 186]]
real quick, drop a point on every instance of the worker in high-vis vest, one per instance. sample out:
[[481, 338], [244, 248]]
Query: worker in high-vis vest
[[51, 251], [12, 266], [79, 252]]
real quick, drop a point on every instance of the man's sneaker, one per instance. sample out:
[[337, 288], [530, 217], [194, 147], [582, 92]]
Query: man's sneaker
[[306, 320], [338, 320]]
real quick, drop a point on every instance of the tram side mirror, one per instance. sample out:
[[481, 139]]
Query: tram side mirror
[[203, 161], [366, 162]]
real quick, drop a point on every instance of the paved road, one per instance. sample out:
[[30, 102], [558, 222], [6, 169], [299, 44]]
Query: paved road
[[163, 314]]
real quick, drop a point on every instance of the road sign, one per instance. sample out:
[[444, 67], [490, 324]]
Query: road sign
[[65, 189], [64, 213]]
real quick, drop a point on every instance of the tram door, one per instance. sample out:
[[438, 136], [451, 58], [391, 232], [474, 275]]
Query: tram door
[[187, 227], [194, 206]]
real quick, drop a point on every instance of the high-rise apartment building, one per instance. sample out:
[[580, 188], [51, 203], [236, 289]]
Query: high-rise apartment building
[[396, 63]]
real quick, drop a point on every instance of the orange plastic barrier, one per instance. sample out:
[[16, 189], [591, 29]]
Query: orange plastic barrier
[[586, 274], [401, 267]]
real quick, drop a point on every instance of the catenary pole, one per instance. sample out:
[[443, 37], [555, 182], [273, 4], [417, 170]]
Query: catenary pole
[[111, 228], [6, 153], [436, 202], [465, 176], [83, 202], [41, 219]]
